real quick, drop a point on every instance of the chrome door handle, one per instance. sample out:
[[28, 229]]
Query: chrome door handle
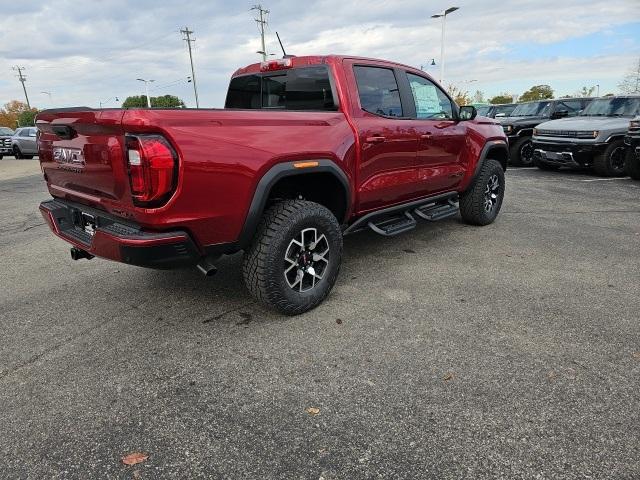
[[375, 139], [426, 136]]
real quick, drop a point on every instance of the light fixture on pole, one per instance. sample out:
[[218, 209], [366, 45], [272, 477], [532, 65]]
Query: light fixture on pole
[[433, 63], [443, 15], [146, 89]]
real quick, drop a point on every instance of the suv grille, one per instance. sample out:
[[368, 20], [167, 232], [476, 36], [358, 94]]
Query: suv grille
[[564, 133], [5, 142]]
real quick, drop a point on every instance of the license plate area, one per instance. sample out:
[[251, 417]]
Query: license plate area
[[85, 222]]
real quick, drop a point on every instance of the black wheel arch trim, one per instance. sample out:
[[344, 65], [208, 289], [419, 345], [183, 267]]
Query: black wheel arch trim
[[490, 145], [271, 177]]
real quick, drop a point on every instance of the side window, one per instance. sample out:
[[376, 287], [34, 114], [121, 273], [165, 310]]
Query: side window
[[431, 102], [378, 91]]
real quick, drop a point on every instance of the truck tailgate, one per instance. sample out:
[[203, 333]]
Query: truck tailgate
[[82, 156]]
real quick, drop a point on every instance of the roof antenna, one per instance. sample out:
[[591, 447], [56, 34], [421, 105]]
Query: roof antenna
[[284, 54]]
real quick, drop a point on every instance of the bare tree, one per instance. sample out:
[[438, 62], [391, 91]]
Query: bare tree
[[631, 81]]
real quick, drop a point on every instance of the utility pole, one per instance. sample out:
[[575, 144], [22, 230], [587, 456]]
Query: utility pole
[[261, 21], [22, 79], [187, 38]]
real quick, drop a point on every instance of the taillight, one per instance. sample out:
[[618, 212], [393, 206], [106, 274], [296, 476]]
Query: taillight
[[153, 169]]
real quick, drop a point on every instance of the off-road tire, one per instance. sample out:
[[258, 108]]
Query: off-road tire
[[603, 164], [472, 202], [264, 261], [515, 151], [632, 164]]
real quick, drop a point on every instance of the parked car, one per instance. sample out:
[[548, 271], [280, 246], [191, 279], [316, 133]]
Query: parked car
[[519, 126], [23, 142], [5, 141], [498, 110], [307, 149], [632, 142], [594, 139]]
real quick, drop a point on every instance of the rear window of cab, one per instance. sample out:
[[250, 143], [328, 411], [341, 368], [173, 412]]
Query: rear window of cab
[[306, 88]]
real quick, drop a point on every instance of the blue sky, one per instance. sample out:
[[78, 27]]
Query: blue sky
[[89, 51]]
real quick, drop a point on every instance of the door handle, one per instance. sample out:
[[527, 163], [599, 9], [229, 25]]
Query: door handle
[[375, 139], [426, 136]]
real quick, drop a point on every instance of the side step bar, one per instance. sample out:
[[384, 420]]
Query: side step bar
[[399, 219]]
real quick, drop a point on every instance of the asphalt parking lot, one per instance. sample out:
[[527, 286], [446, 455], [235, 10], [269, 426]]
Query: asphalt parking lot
[[508, 351]]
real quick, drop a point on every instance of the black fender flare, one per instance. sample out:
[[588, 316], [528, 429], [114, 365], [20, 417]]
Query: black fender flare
[[271, 177], [490, 145]]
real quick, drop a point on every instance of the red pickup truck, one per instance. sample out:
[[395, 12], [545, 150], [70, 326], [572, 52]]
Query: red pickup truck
[[306, 150]]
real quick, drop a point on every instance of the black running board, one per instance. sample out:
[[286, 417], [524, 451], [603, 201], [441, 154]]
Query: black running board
[[399, 218]]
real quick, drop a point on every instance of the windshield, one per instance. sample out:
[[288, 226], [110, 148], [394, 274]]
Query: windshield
[[507, 110], [483, 110], [613, 107], [5, 131], [533, 109]]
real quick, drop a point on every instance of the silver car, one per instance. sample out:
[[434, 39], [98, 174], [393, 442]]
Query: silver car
[[24, 143]]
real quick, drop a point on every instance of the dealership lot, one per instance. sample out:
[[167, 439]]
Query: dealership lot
[[508, 351]]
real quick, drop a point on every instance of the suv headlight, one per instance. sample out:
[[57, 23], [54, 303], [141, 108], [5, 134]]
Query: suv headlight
[[507, 128], [535, 131], [595, 133], [635, 123]]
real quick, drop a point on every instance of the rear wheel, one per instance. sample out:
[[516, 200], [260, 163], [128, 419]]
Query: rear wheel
[[632, 164], [480, 204], [610, 163], [521, 153], [295, 256]]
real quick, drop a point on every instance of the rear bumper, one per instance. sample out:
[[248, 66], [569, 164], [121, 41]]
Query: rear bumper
[[567, 154], [114, 239]]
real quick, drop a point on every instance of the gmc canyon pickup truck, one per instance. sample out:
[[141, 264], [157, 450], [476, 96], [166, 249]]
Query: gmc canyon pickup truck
[[306, 150]]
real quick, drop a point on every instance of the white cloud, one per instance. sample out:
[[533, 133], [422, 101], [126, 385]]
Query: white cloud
[[88, 51]]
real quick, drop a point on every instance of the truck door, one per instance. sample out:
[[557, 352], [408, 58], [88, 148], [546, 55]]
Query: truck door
[[387, 171], [441, 137]]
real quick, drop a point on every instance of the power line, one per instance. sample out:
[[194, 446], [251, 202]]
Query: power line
[[187, 38], [22, 79], [262, 22]]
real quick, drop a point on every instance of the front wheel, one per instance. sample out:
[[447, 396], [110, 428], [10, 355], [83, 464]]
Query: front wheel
[[521, 153], [610, 163], [295, 256], [17, 153], [480, 204]]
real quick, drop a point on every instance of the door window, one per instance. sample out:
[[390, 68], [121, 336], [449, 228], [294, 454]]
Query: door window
[[378, 91], [573, 107], [431, 102]]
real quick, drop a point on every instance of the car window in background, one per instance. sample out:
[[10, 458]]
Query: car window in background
[[6, 131], [505, 110], [306, 88], [532, 109], [378, 91], [431, 102], [31, 132], [613, 107], [571, 106], [483, 111]]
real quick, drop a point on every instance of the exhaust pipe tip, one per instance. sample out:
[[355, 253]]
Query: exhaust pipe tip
[[207, 268], [79, 254]]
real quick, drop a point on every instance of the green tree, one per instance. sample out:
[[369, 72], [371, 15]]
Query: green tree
[[502, 98], [461, 97], [165, 101], [537, 92], [10, 113], [586, 92], [27, 118]]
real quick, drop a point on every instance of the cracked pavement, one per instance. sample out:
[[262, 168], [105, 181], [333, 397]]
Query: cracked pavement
[[508, 351]]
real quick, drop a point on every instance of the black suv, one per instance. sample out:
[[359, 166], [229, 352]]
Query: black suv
[[519, 126], [632, 142], [5, 141]]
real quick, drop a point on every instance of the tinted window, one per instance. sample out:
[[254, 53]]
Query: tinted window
[[482, 111], [571, 106], [431, 102], [613, 107], [296, 89], [378, 91], [505, 109], [532, 109]]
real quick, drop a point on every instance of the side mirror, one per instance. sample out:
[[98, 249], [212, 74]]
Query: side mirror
[[560, 114], [467, 112]]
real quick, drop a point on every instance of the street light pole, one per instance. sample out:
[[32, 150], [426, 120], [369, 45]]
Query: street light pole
[[443, 15], [146, 89]]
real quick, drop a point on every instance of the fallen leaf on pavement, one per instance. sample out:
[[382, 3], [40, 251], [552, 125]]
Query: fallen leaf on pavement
[[448, 376], [134, 458], [312, 410], [636, 355]]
